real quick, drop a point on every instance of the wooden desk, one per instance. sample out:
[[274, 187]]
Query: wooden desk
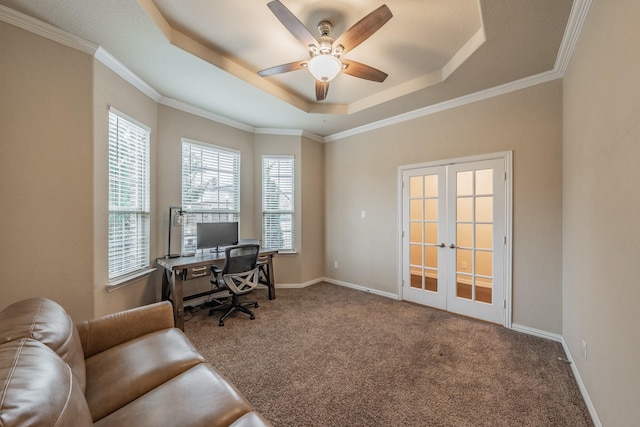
[[176, 270]]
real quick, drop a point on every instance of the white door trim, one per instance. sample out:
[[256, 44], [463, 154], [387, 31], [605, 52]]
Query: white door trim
[[507, 157]]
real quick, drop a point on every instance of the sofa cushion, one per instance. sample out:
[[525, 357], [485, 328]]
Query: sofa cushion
[[38, 388], [110, 330], [197, 397], [250, 419], [46, 321], [125, 372]]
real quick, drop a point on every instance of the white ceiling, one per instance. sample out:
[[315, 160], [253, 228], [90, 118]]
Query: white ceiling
[[205, 54]]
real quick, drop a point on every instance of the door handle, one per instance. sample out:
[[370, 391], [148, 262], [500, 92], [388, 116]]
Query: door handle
[[442, 245], [452, 246]]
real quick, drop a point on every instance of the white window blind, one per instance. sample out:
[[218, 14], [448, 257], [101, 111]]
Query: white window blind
[[210, 187], [128, 196], [278, 202]]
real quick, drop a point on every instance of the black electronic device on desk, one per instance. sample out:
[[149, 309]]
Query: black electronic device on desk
[[215, 236]]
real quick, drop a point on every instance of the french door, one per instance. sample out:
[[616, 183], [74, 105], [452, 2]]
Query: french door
[[455, 237]]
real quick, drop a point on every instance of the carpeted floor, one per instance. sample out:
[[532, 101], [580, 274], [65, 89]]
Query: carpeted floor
[[327, 355]]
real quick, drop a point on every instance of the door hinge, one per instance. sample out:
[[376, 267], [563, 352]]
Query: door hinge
[[505, 240], [504, 305], [403, 283], [505, 176]]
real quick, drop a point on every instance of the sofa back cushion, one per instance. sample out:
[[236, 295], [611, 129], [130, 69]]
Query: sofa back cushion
[[46, 321], [37, 388]]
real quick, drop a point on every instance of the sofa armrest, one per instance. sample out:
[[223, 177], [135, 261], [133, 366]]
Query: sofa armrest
[[108, 331]]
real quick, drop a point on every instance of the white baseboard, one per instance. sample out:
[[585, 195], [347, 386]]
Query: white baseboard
[[336, 282], [361, 288], [298, 285], [583, 388], [537, 332], [559, 338]]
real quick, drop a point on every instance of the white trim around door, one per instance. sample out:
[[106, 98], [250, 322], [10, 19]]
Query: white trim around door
[[503, 277]]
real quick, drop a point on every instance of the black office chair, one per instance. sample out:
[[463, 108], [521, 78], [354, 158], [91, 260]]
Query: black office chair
[[240, 276]]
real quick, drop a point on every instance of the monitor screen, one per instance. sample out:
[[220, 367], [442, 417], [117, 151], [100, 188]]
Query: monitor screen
[[216, 234]]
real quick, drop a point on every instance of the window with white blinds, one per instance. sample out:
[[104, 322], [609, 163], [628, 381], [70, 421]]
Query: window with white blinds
[[278, 202], [210, 187], [129, 185]]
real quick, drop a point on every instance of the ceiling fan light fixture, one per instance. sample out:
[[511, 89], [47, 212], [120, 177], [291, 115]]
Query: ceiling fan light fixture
[[325, 67]]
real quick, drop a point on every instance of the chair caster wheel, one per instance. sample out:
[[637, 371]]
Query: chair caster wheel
[[256, 305], [252, 317], [221, 323]]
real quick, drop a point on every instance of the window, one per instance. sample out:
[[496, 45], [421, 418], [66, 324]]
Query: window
[[277, 202], [128, 196], [210, 187]]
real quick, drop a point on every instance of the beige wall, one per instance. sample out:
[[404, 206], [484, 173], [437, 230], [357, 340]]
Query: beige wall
[[306, 264], [56, 176], [575, 202], [288, 269], [173, 125], [46, 170], [109, 90], [362, 175], [601, 152], [312, 211]]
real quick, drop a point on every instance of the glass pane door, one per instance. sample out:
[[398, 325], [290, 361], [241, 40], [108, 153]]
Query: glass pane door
[[453, 242], [476, 231], [424, 200]]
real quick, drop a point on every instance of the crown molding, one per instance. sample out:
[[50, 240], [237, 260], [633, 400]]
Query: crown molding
[[120, 69], [196, 111], [45, 30], [290, 132], [274, 131], [578, 15], [579, 11], [57, 35], [312, 136], [447, 105]]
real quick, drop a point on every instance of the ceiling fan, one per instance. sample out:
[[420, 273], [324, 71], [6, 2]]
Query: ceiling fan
[[325, 53]]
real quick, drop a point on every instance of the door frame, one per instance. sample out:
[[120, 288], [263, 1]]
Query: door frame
[[507, 157]]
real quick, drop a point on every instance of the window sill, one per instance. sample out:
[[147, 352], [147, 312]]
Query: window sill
[[126, 280], [287, 252]]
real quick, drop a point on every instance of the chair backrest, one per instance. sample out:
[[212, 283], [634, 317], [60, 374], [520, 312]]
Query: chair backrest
[[240, 258]]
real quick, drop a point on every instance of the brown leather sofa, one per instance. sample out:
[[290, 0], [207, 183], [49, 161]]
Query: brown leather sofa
[[131, 368]]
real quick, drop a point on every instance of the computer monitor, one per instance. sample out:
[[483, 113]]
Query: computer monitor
[[216, 235]]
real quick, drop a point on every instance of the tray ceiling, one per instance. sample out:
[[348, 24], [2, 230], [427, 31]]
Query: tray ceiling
[[205, 54]]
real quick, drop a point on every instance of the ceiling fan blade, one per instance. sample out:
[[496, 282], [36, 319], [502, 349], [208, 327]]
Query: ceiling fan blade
[[292, 23], [364, 28], [322, 88], [283, 68], [363, 71]]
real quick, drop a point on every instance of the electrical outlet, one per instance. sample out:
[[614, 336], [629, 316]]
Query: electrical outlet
[[363, 214], [464, 264], [335, 264], [584, 349]]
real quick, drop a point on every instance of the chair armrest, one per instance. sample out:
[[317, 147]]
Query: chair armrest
[[108, 331]]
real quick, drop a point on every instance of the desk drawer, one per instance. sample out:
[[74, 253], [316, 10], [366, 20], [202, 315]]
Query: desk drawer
[[195, 272]]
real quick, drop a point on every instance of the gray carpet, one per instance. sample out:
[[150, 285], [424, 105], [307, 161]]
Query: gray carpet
[[327, 355]]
